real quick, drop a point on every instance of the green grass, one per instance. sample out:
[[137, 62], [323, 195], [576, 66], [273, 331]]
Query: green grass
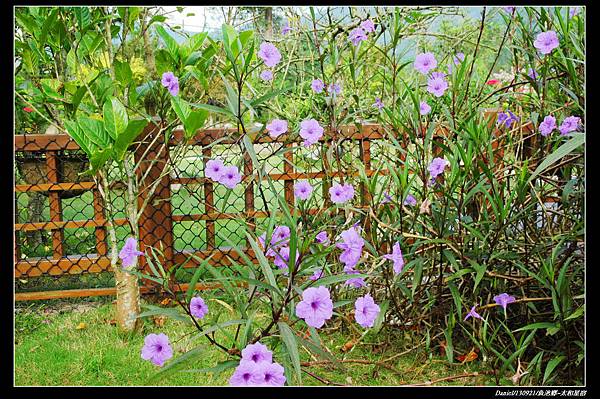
[[51, 350]]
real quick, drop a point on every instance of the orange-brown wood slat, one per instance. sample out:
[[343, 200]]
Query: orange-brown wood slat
[[100, 230], [55, 205], [209, 206], [288, 169]]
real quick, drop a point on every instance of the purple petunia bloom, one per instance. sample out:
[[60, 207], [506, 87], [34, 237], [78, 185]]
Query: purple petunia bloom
[[285, 29], [548, 125], [386, 198], [246, 374], [352, 245], [437, 75], [573, 11], [157, 349], [504, 299], [266, 75], [170, 81], [532, 73], [340, 193], [310, 131], [366, 311], [317, 85], [424, 108], [368, 26], [316, 275], [214, 169], [507, 118], [410, 200], [315, 307], [473, 313], [322, 238], [129, 252], [334, 88], [425, 62], [509, 9], [437, 166], [198, 308], [269, 54], [355, 282], [277, 127], [545, 42], [279, 238], [378, 104], [437, 86], [569, 125], [302, 189], [282, 258], [257, 353], [396, 257], [271, 374], [458, 58], [230, 177], [357, 35]]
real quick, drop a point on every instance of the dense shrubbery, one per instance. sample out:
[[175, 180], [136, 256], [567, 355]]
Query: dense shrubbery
[[458, 240]]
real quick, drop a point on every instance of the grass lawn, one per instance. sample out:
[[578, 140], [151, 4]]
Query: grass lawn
[[77, 344]]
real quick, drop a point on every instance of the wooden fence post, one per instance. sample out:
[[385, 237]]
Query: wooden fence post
[[155, 224]]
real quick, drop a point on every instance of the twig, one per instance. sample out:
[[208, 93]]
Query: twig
[[450, 378]]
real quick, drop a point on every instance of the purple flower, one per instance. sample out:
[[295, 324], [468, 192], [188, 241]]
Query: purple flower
[[316, 275], [548, 125], [279, 238], [334, 88], [282, 258], [341, 193], [271, 374], [129, 252], [315, 307], [437, 75], [545, 42], [356, 282], [473, 313], [277, 127], [230, 177], [410, 200], [396, 257], [366, 311], [285, 29], [198, 307], [425, 62], [214, 169], [302, 189], [368, 26], [322, 238], [378, 103], [352, 245], [386, 198], [257, 353], [437, 86], [170, 81], [424, 108], [507, 118], [317, 85], [532, 73], [437, 166], [266, 75], [573, 11], [504, 299], [357, 35], [269, 54], [569, 125], [157, 349], [310, 131], [509, 9], [458, 58], [246, 374]]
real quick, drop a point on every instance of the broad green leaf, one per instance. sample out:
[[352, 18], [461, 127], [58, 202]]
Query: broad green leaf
[[170, 42], [124, 140], [99, 158], [80, 138], [94, 130], [123, 72], [194, 122], [115, 117], [551, 366]]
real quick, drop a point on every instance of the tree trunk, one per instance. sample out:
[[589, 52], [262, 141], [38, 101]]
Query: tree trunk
[[269, 22], [150, 62]]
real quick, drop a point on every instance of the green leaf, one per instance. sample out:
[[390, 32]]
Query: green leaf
[[170, 42], [289, 339], [124, 140], [194, 122], [551, 366], [562, 151], [83, 17], [329, 280], [99, 158], [94, 130], [80, 138], [181, 108], [123, 72], [195, 278], [177, 363], [115, 117]]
